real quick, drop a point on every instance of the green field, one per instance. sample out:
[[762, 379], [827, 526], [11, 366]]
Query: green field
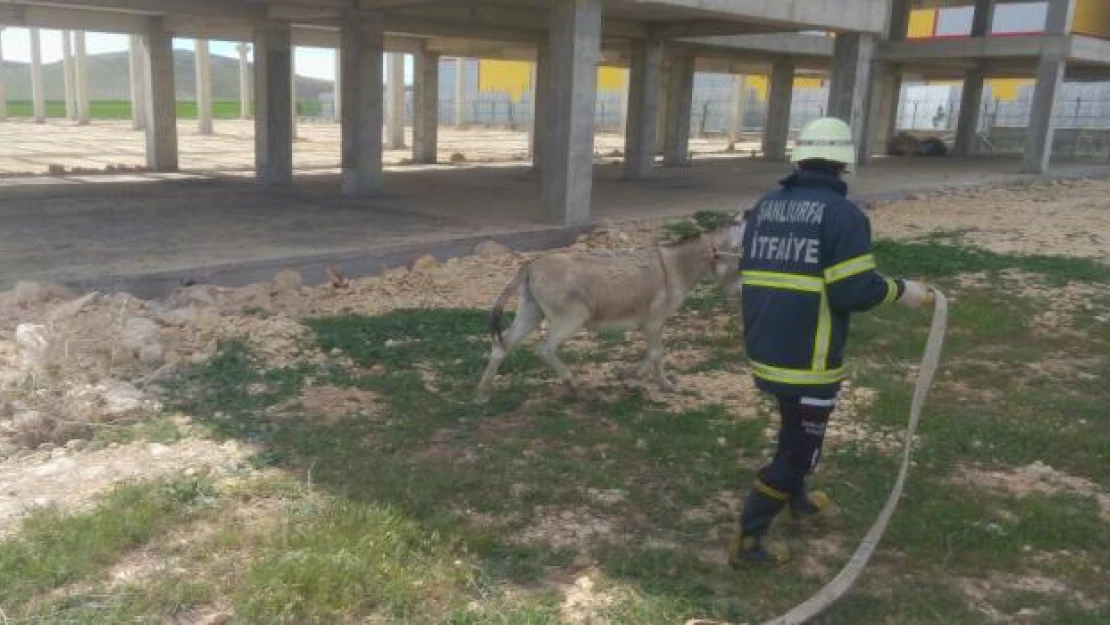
[[415, 508], [121, 109]]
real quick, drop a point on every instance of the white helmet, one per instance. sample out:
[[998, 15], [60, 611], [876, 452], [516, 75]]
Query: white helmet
[[827, 138]]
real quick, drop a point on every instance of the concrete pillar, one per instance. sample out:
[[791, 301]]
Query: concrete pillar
[[541, 96], [850, 87], [244, 81], [680, 103], [982, 18], [293, 90], [460, 93], [81, 79], [425, 110], [1050, 78], [204, 87], [644, 81], [361, 45], [884, 108], [68, 75], [626, 87], [273, 117], [739, 100], [665, 79], [899, 19], [161, 114], [38, 94], [776, 130], [1060, 16], [3, 90], [137, 58], [567, 175], [971, 105], [395, 96], [337, 86]]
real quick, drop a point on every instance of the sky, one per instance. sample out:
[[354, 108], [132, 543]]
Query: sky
[[16, 46]]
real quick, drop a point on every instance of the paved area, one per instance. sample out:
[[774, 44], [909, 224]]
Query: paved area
[[84, 229]]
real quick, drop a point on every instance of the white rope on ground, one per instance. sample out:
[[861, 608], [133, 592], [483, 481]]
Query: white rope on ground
[[843, 582]]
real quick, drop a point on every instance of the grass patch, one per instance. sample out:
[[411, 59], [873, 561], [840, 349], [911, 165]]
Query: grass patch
[[938, 260], [53, 549]]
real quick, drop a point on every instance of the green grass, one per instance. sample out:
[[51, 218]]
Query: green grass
[[121, 109], [54, 549], [414, 509]]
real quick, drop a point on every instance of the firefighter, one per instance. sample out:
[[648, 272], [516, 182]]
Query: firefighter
[[806, 266]]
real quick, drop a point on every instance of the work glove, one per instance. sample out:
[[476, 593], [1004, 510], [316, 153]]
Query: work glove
[[915, 294]]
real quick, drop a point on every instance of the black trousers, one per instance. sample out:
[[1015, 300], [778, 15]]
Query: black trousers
[[801, 437]]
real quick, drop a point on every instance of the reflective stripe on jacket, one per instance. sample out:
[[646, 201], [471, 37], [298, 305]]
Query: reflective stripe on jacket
[[807, 265]]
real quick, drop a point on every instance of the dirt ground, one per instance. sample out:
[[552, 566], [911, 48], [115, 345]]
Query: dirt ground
[[71, 364]]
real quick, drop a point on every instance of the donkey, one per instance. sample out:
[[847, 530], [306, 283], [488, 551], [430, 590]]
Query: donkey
[[639, 290]]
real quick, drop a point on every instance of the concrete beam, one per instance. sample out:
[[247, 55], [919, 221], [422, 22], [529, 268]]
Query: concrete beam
[[81, 79], [680, 102], [363, 45], [395, 98], [273, 121], [791, 44], [68, 75], [137, 64], [203, 87], [161, 114], [867, 16], [425, 136], [776, 130], [968, 50], [38, 93], [645, 87], [567, 175], [850, 85], [971, 106], [68, 18]]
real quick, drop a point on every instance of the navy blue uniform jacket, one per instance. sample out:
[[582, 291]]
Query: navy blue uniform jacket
[[806, 266]]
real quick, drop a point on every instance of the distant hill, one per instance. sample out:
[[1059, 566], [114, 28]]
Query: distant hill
[[110, 76]]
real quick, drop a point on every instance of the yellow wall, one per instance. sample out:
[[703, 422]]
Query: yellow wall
[[762, 86], [1007, 89], [922, 23], [515, 77], [511, 77], [1092, 17]]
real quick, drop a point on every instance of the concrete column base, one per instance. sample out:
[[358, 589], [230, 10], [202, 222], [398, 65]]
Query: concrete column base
[[362, 42], [971, 106]]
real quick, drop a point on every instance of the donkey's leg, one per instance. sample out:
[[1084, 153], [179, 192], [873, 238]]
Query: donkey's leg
[[528, 318], [653, 332], [558, 331]]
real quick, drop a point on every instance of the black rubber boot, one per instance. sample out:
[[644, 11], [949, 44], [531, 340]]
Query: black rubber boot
[[760, 509], [811, 505]]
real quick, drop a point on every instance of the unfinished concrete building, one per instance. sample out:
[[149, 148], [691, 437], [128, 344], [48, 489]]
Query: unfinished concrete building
[[566, 38], [863, 47]]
